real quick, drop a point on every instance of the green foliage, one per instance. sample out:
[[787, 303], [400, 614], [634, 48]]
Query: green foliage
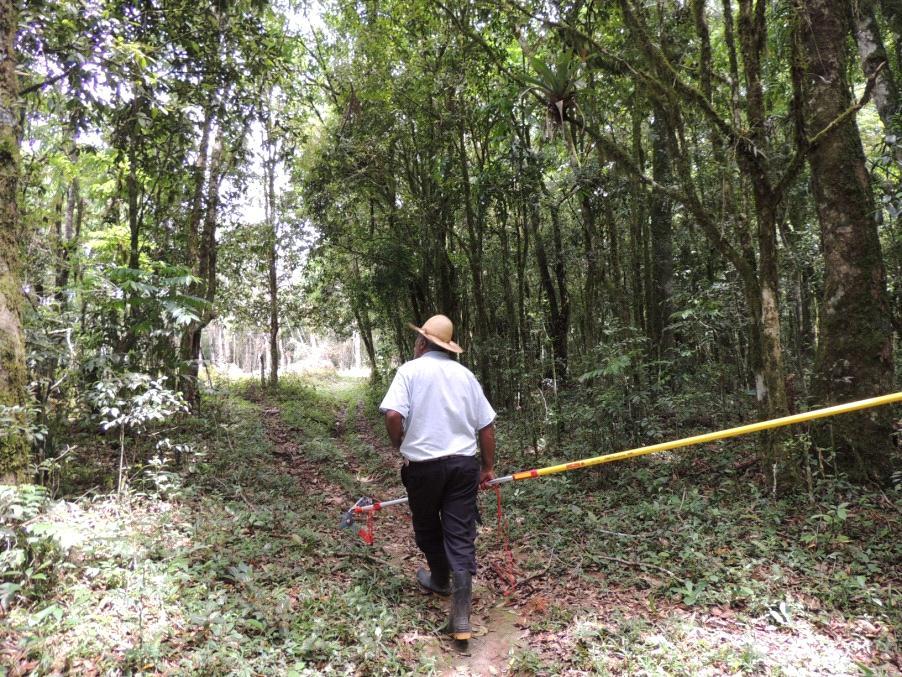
[[132, 401], [136, 149], [31, 549], [238, 566], [20, 421], [831, 524], [143, 311]]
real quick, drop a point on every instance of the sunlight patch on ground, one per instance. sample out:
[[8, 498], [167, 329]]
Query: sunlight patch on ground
[[801, 649], [705, 644], [118, 599]]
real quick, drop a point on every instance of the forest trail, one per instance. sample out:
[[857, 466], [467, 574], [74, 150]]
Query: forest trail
[[644, 223], [236, 563], [361, 449]]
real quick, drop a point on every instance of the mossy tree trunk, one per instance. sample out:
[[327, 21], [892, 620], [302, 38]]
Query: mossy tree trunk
[[779, 461], [661, 222], [855, 351], [13, 445]]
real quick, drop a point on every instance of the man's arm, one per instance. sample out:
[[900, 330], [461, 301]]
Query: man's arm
[[394, 424], [487, 449]]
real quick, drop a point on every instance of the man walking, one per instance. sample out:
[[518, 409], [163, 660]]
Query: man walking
[[438, 417]]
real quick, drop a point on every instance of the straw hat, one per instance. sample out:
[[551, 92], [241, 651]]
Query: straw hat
[[438, 329]]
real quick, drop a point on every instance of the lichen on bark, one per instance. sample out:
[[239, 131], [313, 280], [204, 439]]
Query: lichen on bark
[[13, 445]]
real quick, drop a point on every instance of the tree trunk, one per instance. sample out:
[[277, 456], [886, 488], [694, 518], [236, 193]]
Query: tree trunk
[[192, 226], [215, 356], [127, 337], [780, 463], [273, 315], [781, 467], [190, 341], [206, 265], [65, 239], [562, 325], [855, 350], [558, 299], [590, 285], [633, 312], [892, 13], [13, 445], [659, 308], [365, 327], [200, 252], [475, 237], [273, 278], [366, 335], [134, 225], [873, 56]]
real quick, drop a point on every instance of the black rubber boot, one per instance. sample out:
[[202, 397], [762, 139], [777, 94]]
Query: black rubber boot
[[462, 589], [434, 582]]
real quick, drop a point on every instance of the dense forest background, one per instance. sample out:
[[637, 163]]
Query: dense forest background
[[639, 215], [647, 220]]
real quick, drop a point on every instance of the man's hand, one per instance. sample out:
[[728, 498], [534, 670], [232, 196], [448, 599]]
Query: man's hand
[[485, 476]]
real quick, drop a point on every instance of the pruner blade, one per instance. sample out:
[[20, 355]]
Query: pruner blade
[[347, 517]]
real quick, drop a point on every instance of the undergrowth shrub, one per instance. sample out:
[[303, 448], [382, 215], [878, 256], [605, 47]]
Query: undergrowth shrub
[[31, 549]]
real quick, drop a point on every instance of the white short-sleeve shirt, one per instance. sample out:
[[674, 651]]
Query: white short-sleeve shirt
[[442, 404]]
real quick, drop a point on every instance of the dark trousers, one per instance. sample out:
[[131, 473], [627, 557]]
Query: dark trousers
[[442, 499]]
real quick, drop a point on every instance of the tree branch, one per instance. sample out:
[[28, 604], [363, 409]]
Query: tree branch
[[688, 198], [805, 147], [49, 81], [478, 39], [686, 91], [641, 565], [676, 89]]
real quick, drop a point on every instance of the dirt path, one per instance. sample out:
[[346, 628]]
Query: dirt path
[[563, 613], [496, 634], [287, 454]]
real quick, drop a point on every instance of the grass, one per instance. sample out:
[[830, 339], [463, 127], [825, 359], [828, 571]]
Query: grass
[[229, 573], [232, 563], [723, 543], [688, 542]]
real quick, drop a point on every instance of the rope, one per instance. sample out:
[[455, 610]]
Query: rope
[[366, 533], [507, 572]]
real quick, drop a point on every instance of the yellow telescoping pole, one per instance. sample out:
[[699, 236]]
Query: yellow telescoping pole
[[710, 437], [370, 506]]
